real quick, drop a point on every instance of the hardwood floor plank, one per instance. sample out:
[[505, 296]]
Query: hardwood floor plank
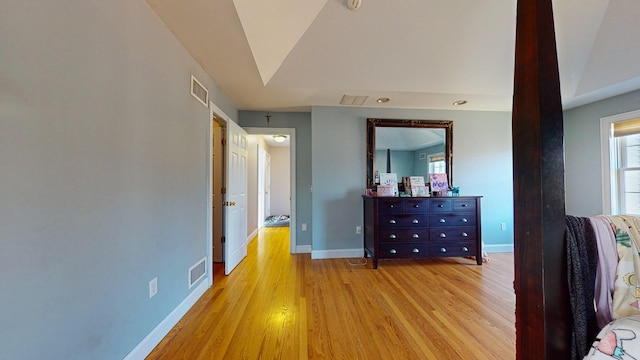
[[281, 306]]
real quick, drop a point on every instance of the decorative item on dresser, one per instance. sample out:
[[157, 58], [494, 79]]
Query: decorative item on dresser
[[427, 227]]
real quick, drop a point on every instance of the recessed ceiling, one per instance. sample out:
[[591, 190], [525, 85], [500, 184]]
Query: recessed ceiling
[[285, 55]]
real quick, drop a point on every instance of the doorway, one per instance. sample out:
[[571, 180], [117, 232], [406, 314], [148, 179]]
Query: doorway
[[218, 189], [264, 191], [226, 240]]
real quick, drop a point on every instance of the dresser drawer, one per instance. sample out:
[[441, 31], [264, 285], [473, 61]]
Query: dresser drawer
[[460, 205], [403, 251], [453, 234], [440, 205], [415, 206], [403, 235], [402, 220], [452, 220], [390, 205], [453, 249]]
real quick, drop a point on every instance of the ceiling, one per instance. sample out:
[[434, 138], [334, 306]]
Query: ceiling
[[268, 138], [289, 55]]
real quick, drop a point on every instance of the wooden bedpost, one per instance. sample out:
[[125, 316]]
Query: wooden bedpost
[[542, 311]]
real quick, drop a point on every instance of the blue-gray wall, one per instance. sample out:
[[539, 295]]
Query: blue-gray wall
[[583, 164], [482, 165], [422, 165], [104, 163], [301, 121], [402, 162]]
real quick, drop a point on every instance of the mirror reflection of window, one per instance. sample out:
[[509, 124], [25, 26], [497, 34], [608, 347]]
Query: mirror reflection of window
[[437, 164]]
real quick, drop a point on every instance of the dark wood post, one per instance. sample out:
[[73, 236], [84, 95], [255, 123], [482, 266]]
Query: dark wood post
[[542, 317]]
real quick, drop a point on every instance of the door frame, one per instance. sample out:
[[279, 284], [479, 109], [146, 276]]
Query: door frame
[[291, 132], [214, 110]]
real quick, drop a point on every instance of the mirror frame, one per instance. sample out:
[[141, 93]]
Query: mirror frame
[[373, 123]]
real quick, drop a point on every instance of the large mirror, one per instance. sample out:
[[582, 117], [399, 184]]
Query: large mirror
[[409, 148]]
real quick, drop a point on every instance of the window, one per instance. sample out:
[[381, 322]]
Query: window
[[625, 167], [437, 164], [620, 159]]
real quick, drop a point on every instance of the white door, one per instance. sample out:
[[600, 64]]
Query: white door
[[236, 200]]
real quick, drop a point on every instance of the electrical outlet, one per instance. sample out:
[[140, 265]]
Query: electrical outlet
[[304, 226], [153, 287], [358, 230], [503, 226]]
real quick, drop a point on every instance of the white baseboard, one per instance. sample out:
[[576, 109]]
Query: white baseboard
[[252, 235], [303, 249], [337, 254], [156, 335], [494, 248]]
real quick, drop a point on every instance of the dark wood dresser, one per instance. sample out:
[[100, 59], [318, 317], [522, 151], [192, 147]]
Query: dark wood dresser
[[422, 227]]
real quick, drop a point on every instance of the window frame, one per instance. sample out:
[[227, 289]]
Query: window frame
[[608, 156], [434, 155]]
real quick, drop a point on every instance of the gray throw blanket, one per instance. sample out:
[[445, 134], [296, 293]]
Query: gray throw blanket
[[582, 259]]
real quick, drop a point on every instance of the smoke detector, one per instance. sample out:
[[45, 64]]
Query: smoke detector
[[354, 5]]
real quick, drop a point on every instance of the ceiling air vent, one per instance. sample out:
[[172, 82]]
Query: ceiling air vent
[[197, 271], [199, 92], [353, 100]]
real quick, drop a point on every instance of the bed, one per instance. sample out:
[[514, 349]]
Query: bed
[[602, 262]]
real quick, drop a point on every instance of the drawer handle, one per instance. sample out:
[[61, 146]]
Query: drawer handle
[[442, 221], [465, 249], [391, 206], [464, 205], [416, 206], [415, 236], [443, 250], [440, 205], [415, 221], [393, 251], [443, 235], [392, 221], [464, 234], [464, 220], [392, 236], [416, 250]]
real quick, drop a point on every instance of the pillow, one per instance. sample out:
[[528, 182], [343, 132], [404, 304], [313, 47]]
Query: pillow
[[618, 340]]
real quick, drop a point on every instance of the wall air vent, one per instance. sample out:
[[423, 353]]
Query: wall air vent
[[353, 100], [197, 272], [199, 92]]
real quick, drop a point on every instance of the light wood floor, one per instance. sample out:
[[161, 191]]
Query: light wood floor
[[281, 306]]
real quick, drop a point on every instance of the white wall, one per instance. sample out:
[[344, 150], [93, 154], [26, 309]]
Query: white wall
[[104, 164], [252, 184], [482, 165], [280, 181], [254, 142]]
